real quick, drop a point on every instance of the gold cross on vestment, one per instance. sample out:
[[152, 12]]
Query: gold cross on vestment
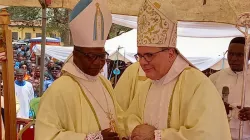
[[111, 121]]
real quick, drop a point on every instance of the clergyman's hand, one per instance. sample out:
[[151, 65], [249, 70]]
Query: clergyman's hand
[[244, 114], [227, 107], [108, 135], [142, 132]]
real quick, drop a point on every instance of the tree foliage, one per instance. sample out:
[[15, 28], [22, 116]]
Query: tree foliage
[[58, 20], [25, 13]]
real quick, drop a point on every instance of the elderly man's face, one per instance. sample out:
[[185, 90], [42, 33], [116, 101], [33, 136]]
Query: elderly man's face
[[158, 63]]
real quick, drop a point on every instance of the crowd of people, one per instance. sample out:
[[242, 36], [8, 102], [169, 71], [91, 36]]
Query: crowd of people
[[27, 77]]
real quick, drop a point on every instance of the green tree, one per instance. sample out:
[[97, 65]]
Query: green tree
[[25, 13], [58, 20]]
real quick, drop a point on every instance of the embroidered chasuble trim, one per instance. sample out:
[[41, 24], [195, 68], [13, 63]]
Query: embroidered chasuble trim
[[171, 100], [170, 103], [103, 81], [143, 112], [91, 106]]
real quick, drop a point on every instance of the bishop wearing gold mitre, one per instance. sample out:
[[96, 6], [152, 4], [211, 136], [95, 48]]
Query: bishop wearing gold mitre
[[177, 102]]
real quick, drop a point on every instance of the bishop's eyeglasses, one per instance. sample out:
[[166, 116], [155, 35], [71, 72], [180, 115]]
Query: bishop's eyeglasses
[[95, 56], [148, 56]]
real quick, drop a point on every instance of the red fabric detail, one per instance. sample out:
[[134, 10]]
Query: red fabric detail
[[29, 134]]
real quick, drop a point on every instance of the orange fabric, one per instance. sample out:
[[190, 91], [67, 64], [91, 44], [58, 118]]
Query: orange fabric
[[26, 77]]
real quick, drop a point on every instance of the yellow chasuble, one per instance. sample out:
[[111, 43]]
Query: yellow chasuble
[[72, 107], [189, 106], [128, 85]]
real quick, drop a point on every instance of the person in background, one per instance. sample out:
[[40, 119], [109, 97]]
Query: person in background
[[232, 79], [24, 92], [36, 85], [37, 73], [28, 62], [26, 75], [15, 55], [50, 64], [14, 63], [32, 70], [31, 79], [24, 58], [177, 102], [56, 73], [21, 54], [18, 63], [33, 60]]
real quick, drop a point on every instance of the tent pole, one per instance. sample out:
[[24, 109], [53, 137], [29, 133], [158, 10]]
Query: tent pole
[[44, 19]]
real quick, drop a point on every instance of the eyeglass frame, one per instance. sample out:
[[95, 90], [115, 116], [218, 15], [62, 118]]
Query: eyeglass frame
[[152, 54], [96, 55]]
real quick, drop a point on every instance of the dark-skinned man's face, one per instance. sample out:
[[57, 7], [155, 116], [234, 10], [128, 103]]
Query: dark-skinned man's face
[[236, 57], [89, 60]]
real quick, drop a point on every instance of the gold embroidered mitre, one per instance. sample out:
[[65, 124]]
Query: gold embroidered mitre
[[157, 24], [90, 22]]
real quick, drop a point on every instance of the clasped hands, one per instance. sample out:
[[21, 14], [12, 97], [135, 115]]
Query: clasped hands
[[244, 114]]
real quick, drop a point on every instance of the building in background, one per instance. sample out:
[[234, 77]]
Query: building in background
[[22, 30]]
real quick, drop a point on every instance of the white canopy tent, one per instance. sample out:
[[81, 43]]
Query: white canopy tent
[[202, 52], [188, 29]]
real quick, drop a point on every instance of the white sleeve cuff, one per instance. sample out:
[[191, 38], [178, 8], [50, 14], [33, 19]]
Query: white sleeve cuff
[[94, 136], [157, 134]]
